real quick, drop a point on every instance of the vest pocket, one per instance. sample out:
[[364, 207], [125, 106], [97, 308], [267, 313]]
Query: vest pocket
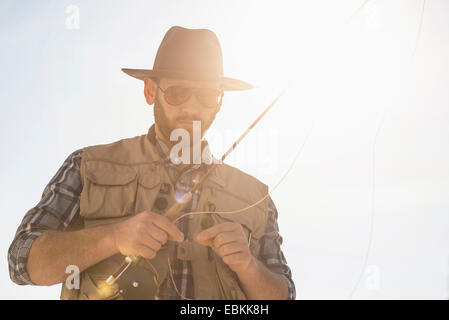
[[109, 190], [229, 285], [147, 190]]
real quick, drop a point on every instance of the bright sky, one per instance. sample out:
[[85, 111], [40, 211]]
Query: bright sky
[[361, 217]]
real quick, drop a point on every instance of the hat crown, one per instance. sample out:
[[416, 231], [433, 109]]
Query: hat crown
[[190, 51], [190, 54]]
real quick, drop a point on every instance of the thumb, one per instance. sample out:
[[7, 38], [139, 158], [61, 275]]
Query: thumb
[[205, 242]]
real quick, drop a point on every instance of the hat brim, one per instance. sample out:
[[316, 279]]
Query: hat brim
[[227, 84]]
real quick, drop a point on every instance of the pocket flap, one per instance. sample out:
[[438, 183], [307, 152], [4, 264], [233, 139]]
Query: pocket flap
[[105, 173], [149, 179]]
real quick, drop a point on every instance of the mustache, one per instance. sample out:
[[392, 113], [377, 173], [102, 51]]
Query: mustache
[[187, 118]]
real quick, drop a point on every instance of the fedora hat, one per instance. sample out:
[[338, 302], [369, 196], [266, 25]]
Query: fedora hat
[[189, 54]]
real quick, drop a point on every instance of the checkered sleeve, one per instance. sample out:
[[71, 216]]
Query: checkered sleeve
[[58, 209], [271, 253]]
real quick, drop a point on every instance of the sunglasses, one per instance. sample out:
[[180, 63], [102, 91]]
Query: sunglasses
[[207, 97]]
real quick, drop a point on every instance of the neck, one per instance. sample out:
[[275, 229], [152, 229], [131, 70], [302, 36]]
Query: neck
[[161, 136], [170, 144]]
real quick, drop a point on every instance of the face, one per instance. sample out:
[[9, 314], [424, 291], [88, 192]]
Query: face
[[169, 117]]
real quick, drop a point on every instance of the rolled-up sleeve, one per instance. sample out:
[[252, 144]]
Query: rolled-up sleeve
[[58, 209], [271, 253]]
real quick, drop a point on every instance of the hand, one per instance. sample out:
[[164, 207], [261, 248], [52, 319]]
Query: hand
[[144, 234], [229, 241]]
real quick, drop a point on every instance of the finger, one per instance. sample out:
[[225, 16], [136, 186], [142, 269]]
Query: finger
[[235, 258], [227, 237], [144, 251], [222, 239], [232, 248], [213, 231], [158, 234], [208, 242], [166, 225], [148, 241]]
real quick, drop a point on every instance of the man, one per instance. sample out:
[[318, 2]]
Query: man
[[108, 201]]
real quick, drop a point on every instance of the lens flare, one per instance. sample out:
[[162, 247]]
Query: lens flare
[[105, 290]]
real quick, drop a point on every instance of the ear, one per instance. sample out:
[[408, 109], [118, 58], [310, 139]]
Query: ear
[[149, 90]]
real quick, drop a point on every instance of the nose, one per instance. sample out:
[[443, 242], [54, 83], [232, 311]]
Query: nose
[[190, 109], [192, 104]]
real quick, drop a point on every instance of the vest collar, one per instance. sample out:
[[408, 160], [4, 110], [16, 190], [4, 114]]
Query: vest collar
[[151, 135]]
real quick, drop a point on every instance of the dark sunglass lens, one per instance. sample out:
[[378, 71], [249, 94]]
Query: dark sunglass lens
[[177, 94], [208, 97]]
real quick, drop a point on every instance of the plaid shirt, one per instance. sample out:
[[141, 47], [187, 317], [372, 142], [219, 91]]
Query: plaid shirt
[[59, 207]]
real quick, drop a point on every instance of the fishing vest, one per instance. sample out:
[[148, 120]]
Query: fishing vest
[[127, 177]]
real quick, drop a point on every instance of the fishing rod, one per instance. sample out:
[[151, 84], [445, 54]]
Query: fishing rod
[[178, 206]]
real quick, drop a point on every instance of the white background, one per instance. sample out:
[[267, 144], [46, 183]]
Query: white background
[[361, 217]]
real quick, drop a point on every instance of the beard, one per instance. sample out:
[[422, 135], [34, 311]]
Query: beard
[[166, 126]]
